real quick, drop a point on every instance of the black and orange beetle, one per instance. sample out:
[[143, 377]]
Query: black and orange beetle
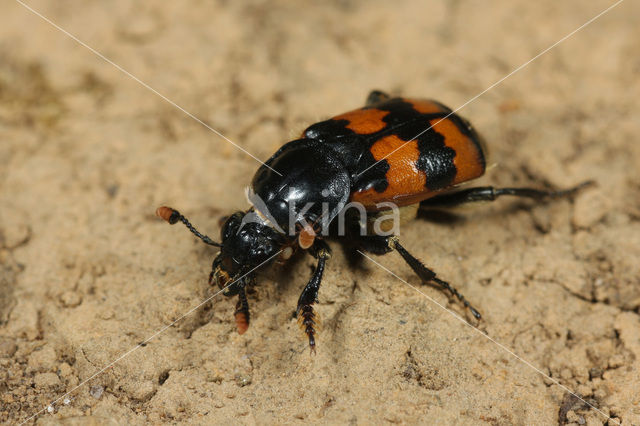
[[394, 151]]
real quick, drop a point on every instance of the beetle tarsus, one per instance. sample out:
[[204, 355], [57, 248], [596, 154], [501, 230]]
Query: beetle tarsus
[[306, 316], [308, 322], [242, 312]]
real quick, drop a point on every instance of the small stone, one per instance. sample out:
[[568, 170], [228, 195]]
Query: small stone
[[23, 321], [107, 314], [614, 411], [572, 417], [590, 208], [44, 359], [243, 371], [595, 372], [7, 348], [584, 390], [96, 391], [64, 370], [566, 374], [70, 299], [142, 391], [243, 380], [616, 361], [600, 393], [213, 374], [46, 380]]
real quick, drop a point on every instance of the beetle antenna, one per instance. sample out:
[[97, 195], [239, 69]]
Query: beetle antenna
[[173, 216]]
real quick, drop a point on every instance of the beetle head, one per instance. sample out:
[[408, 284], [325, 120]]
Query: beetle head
[[247, 242]]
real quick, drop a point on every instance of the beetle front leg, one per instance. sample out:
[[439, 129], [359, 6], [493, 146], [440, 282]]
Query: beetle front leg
[[242, 312], [306, 316]]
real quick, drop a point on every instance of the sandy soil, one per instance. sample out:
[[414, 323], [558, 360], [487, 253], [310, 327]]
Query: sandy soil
[[87, 272]]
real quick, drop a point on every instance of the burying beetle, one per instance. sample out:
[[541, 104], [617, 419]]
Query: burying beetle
[[394, 151]]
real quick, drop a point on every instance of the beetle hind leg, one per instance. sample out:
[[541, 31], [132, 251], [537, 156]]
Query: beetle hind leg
[[382, 245], [489, 193], [428, 275]]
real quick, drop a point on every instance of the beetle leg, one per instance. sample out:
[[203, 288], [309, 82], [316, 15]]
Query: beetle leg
[[427, 274], [489, 193], [376, 96], [382, 245], [306, 316], [375, 244], [242, 312]]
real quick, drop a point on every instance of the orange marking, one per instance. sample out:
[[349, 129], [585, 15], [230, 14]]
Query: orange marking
[[425, 106], [364, 121], [406, 182]]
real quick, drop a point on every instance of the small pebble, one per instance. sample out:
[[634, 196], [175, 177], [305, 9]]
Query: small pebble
[[616, 361], [70, 299], [46, 380], [7, 348], [64, 370], [96, 391], [243, 380], [590, 208], [43, 359]]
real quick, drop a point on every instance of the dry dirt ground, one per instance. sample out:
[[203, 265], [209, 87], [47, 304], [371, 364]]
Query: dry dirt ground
[[87, 271]]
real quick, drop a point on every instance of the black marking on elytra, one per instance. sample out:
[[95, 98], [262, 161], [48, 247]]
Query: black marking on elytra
[[467, 129], [403, 121], [436, 161], [328, 129], [375, 177]]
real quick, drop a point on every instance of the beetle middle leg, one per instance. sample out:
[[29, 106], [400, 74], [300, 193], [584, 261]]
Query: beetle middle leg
[[489, 193], [309, 296], [382, 245]]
